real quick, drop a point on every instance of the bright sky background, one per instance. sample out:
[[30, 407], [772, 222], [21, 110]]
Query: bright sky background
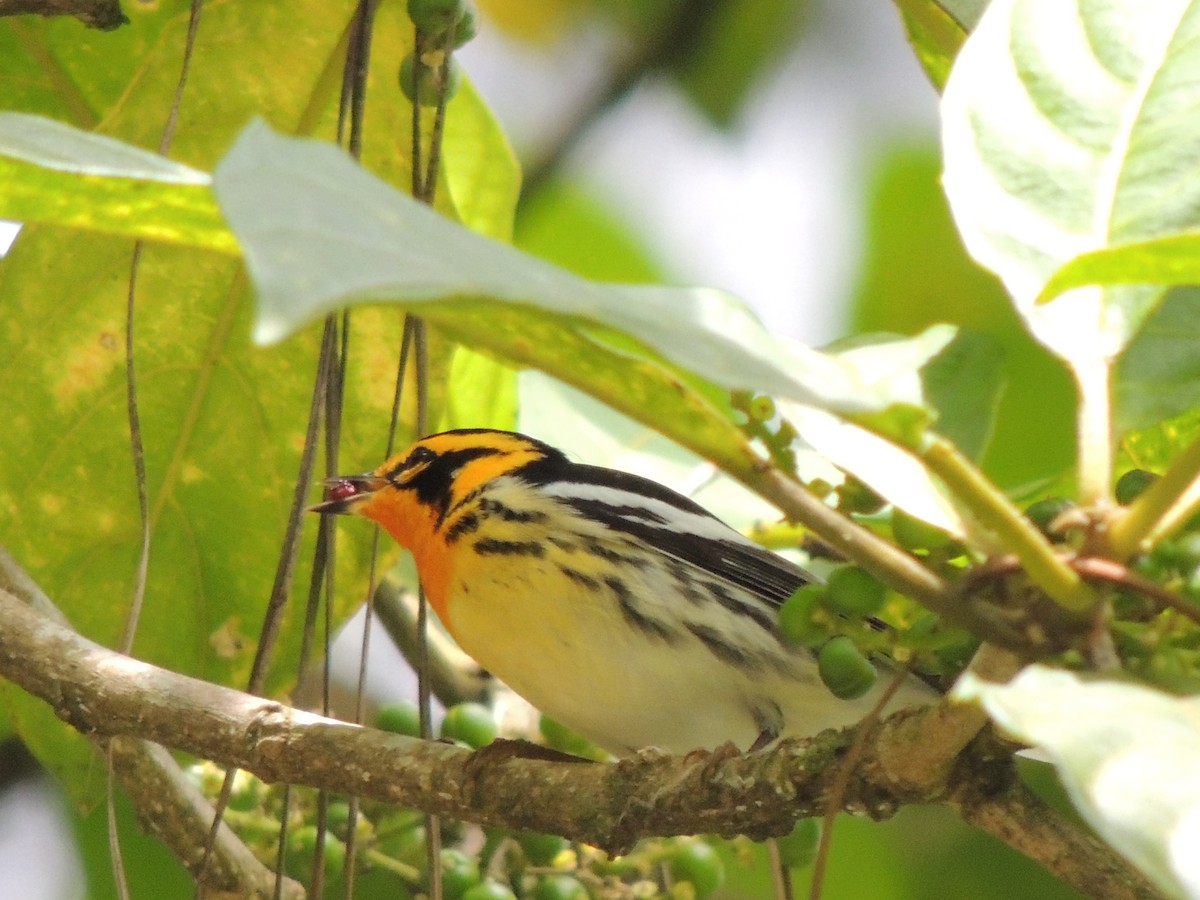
[[770, 212]]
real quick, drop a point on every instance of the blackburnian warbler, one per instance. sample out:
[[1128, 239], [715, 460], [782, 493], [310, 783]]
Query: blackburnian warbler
[[611, 603]]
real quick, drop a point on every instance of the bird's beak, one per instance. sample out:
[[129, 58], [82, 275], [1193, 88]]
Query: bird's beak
[[345, 494]]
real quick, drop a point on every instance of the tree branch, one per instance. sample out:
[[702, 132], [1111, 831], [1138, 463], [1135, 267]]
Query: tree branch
[[168, 804], [102, 14], [174, 810], [608, 805]]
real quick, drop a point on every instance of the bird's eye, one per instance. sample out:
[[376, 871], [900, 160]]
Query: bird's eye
[[401, 471], [418, 456]]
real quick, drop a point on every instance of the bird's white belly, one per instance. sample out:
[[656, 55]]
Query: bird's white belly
[[580, 661]]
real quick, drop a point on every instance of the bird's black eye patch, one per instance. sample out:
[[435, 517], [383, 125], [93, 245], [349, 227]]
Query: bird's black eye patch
[[420, 456]]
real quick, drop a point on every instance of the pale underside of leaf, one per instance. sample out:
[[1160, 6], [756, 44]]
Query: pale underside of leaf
[[55, 145], [894, 474], [1066, 124], [1126, 754], [318, 233]]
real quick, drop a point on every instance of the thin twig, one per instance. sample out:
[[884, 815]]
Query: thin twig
[[841, 784], [995, 511], [425, 190], [354, 98], [273, 616], [137, 446], [1096, 568]]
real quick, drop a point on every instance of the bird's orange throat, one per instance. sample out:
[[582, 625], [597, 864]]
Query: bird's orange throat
[[414, 526]]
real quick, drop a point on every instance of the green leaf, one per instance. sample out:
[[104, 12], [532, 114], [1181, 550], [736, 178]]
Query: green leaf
[[1163, 261], [916, 273], [739, 42], [149, 866], [1159, 375], [1154, 448], [1126, 755], [480, 393], [223, 420], [565, 225], [55, 174], [55, 68], [901, 363], [935, 35], [964, 383], [318, 232], [595, 433], [1068, 126], [893, 473], [966, 13], [959, 376], [479, 166]]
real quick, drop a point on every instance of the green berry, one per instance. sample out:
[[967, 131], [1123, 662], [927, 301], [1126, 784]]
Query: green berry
[[915, 534], [797, 617], [560, 737], [856, 497], [1044, 512], [761, 408], [466, 29], [335, 857], [541, 849], [471, 723], [302, 846], [852, 591], [407, 845], [399, 718], [460, 873], [337, 817], [560, 887], [434, 16], [1132, 484], [846, 672], [489, 890], [430, 81], [408, 77], [799, 848], [1179, 553], [699, 864], [437, 27]]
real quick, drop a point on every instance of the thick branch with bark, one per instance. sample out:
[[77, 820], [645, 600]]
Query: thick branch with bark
[[609, 805]]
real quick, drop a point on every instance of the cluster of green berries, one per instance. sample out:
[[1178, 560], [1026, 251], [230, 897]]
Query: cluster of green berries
[[1154, 643], [544, 866], [835, 618], [443, 26], [1161, 646], [815, 612], [1050, 513], [761, 423]]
